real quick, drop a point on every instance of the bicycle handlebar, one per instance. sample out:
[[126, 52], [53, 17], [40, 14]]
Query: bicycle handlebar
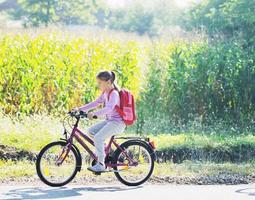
[[80, 114]]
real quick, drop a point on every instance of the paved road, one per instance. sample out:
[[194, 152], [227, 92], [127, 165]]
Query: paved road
[[146, 192]]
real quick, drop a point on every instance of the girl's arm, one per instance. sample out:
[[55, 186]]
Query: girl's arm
[[92, 104], [109, 106]]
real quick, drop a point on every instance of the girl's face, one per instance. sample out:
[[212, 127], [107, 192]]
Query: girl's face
[[103, 85]]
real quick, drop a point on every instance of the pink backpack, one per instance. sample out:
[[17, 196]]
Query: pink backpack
[[127, 106]]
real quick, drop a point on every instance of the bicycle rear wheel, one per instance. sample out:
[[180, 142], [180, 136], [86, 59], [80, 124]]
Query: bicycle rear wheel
[[49, 167], [140, 153]]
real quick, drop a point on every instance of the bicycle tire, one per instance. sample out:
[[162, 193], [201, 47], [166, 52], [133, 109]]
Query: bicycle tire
[[38, 162]]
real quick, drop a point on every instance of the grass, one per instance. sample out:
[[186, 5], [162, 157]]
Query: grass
[[203, 168], [20, 169], [33, 132], [12, 169], [200, 140]]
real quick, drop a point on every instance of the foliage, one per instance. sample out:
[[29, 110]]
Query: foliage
[[49, 74], [142, 19], [137, 19], [150, 18], [233, 18], [200, 82], [35, 13]]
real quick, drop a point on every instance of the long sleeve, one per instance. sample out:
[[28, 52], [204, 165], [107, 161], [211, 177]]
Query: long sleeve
[[110, 105], [92, 104]]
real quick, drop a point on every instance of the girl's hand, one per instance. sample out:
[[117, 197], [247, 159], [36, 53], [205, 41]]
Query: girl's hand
[[90, 115], [76, 109]]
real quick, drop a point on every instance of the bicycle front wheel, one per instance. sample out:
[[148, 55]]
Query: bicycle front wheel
[[126, 172], [55, 165]]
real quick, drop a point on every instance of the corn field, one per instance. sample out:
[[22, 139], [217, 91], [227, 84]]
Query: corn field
[[174, 83], [47, 74]]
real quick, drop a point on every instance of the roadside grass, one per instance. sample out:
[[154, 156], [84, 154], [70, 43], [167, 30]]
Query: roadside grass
[[190, 168], [11, 169], [31, 133], [19, 169], [165, 141]]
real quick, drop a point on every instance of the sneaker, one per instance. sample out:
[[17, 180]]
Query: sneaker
[[97, 168]]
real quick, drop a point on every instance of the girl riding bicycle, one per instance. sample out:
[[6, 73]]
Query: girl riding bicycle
[[131, 161], [113, 124]]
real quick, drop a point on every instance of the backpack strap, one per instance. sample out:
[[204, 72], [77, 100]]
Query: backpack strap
[[118, 109], [110, 93]]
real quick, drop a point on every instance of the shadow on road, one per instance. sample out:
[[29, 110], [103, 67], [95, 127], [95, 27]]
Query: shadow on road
[[61, 192], [248, 191]]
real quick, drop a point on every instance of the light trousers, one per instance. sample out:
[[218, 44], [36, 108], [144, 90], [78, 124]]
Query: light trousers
[[103, 130]]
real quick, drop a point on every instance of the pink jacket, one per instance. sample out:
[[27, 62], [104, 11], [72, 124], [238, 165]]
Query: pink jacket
[[109, 108]]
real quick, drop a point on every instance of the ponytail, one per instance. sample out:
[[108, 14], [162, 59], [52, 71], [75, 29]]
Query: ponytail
[[113, 76], [113, 81]]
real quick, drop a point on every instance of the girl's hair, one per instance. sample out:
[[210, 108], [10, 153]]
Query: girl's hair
[[106, 76]]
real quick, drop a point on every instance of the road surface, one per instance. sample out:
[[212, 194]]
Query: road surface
[[120, 192]]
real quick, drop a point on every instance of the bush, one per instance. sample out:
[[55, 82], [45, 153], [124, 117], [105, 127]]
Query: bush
[[199, 82]]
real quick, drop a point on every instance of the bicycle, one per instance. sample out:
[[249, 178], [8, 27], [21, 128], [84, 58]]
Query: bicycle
[[132, 161]]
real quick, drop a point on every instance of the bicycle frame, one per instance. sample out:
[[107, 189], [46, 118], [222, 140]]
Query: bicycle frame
[[78, 135]]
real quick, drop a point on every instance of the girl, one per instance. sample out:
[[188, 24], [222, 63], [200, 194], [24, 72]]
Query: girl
[[113, 124]]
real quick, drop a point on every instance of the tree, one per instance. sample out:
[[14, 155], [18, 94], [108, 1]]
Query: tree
[[150, 18], [230, 19], [134, 19], [37, 12], [78, 11]]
